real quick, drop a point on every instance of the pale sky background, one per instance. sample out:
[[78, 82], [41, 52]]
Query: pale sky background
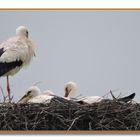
[[99, 50]]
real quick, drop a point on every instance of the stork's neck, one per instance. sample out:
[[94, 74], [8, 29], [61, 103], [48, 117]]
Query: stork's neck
[[71, 93]]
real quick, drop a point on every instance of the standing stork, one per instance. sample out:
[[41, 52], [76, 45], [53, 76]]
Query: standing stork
[[15, 53]]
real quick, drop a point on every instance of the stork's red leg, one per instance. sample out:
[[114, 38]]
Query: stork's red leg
[[8, 89]]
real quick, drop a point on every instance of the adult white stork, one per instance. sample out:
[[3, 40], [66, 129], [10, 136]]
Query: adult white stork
[[34, 95], [15, 53]]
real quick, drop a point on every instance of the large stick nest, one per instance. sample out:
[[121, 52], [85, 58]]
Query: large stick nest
[[68, 115]]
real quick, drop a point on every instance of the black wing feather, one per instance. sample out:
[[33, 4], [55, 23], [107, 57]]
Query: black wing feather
[[127, 98], [1, 51], [7, 66]]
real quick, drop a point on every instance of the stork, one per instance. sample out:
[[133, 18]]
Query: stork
[[15, 53], [34, 95], [70, 91]]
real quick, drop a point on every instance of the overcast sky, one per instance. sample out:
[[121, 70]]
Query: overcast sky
[[99, 50]]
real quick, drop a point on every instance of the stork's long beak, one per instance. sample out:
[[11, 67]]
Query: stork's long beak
[[67, 91], [23, 98]]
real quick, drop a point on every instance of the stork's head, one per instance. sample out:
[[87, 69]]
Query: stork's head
[[30, 93], [70, 89], [22, 31], [48, 92]]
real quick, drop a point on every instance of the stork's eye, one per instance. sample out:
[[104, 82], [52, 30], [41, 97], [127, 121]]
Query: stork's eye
[[29, 92], [27, 34]]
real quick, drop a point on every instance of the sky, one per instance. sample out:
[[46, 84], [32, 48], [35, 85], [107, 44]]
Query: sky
[[97, 49]]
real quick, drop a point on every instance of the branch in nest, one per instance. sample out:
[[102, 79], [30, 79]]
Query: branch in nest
[[2, 92], [114, 98], [73, 122]]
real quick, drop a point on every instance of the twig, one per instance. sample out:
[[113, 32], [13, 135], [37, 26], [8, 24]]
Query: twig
[[109, 92], [73, 122], [4, 97], [90, 128], [112, 95]]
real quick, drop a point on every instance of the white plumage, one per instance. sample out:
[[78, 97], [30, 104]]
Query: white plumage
[[34, 95], [45, 97], [91, 99], [41, 99], [15, 53]]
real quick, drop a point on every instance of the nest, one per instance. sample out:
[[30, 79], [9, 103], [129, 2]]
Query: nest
[[69, 115]]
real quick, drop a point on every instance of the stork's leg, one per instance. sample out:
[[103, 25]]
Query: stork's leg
[[8, 89]]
